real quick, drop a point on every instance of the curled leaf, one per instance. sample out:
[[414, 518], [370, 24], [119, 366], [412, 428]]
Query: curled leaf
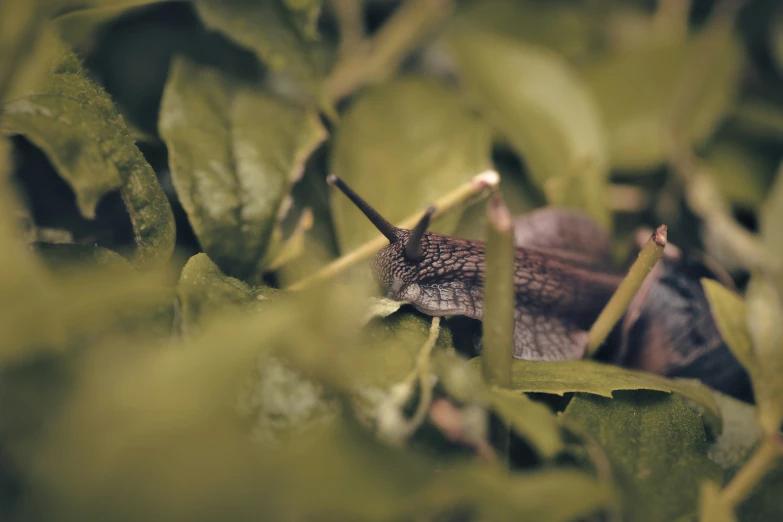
[[75, 123]]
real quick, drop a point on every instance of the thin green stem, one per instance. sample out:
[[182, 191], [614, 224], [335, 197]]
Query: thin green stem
[[498, 328], [454, 199], [755, 469], [376, 59], [350, 21], [618, 304]]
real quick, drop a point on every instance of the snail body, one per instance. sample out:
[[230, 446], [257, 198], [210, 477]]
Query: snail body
[[563, 279]]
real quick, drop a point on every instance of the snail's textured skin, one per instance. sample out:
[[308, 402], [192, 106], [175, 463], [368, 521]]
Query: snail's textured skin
[[563, 280], [556, 300]]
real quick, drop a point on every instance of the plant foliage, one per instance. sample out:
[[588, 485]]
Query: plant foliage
[[187, 332]]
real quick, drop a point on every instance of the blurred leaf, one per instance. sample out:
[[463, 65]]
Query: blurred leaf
[[534, 98], [81, 27], [204, 291], [729, 311], [740, 434], [710, 507], [657, 448], [281, 402], [776, 38], [561, 377], [174, 436], [75, 123], [306, 13], [763, 503], [565, 28], [532, 420], [635, 90], [234, 153], [78, 127], [730, 161], [67, 257], [393, 343], [764, 314], [279, 33], [400, 146], [380, 307], [772, 216]]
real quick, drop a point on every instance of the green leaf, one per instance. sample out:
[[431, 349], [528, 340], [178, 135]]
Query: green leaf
[[532, 420], [740, 434], [400, 146], [763, 503], [729, 161], [394, 342], [657, 448], [710, 507], [204, 291], [539, 103], [772, 216], [775, 32], [729, 311], [80, 27], [234, 153], [561, 377], [635, 90], [279, 35], [764, 313], [564, 28], [67, 257], [76, 125]]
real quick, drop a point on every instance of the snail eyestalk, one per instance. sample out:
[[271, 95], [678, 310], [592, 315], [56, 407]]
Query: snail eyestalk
[[413, 249], [386, 228]]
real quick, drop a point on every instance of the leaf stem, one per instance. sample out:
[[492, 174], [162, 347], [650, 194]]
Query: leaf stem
[[392, 424], [755, 469], [350, 21], [498, 329], [457, 197], [377, 58], [617, 305]]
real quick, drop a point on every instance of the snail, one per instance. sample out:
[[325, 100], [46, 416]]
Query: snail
[[563, 278]]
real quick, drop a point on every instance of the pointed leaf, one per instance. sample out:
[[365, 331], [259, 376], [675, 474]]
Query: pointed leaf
[[657, 448], [234, 153], [560, 377], [75, 123], [765, 322], [400, 146], [635, 90], [204, 291], [729, 311], [540, 104]]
